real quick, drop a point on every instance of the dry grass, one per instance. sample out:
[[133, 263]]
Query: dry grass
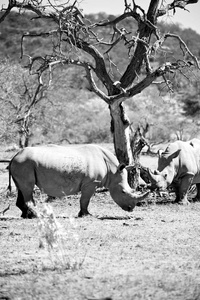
[[152, 253]]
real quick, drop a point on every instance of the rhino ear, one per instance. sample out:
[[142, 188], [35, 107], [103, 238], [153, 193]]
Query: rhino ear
[[160, 151], [192, 144], [175, 154], [156, 172], [121, 167]]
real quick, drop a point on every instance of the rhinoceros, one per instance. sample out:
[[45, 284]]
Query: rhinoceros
[[178, 166], [66, 170]]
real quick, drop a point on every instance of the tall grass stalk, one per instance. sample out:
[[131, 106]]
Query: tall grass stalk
[[55, 239]]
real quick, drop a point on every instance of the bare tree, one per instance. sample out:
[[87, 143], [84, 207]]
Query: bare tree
[[24, 121], [18, 101], [76, 40]]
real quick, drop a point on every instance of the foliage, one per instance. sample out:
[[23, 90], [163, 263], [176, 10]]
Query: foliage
[[12, 102], [162, 114], [191, 100], [57, 117], [17, 100], [74, 120]]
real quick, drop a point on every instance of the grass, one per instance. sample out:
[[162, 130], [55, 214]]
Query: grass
[[152, 253], [52, 237]]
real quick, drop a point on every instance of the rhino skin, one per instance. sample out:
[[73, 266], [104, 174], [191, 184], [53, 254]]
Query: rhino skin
[[179, 166], [65, 170]]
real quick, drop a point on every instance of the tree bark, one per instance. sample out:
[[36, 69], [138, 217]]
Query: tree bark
[[137, 143], [134, 68], [120, 128], [23, 139], [128, 145]]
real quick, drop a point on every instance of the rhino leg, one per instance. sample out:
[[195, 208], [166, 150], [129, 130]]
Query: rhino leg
[[86, 194], [198, 192], [25, 185], [20, 201], [176, 190], [184, 187], [26, 207]]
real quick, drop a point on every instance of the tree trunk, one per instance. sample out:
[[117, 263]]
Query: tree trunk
[[23, 139], [120, 128], [137, 143], [127, 145]]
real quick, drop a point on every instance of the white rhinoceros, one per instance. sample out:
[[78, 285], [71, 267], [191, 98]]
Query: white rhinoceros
[[179, 166], [60, 171]]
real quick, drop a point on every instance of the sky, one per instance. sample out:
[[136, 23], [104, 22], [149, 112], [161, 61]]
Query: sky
[[186, 19]]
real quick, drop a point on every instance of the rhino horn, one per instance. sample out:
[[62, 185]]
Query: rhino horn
[[153, 175], [140, 197]]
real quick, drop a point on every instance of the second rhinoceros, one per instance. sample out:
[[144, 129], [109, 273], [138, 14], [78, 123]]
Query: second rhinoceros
[[179, 166]]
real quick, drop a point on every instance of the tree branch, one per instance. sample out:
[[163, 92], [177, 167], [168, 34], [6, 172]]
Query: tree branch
[[182, 43], [11, 4], [73, 39], [72, 29], [173, 5], [145, 31], [138, 88]]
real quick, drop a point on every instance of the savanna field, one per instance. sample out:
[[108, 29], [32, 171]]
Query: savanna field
[[151, 253], [71, 76]]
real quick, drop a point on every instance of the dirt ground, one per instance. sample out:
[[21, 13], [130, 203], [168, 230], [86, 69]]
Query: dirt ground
[[151, 253]]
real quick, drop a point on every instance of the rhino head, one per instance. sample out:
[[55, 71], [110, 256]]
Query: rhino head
[[159, 180], [166, 172], [121, 192]]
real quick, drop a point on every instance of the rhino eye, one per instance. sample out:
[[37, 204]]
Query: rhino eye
[[165, 176], [121, 167], [130, 208]]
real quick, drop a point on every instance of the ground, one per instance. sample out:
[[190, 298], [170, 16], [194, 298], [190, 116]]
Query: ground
[[151, 253]]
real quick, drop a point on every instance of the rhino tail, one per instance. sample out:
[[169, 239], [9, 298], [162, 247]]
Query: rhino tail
[[9, 188]]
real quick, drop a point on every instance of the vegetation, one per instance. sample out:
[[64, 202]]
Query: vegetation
[[152, 253], [71, 112]]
